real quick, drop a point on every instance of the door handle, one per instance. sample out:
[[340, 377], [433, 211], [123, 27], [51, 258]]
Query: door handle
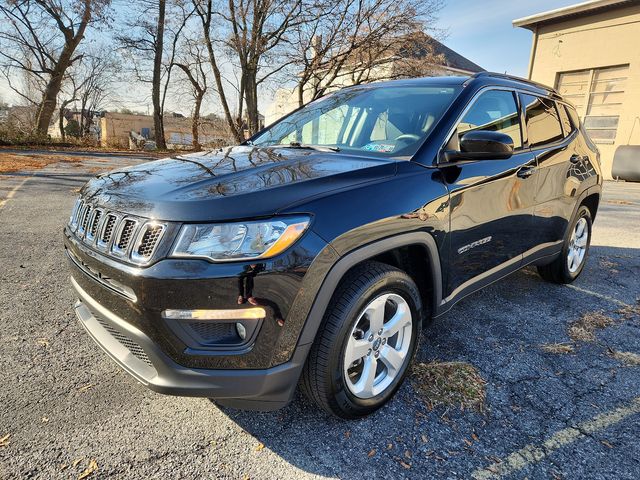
[[525, 172], [575, 158]]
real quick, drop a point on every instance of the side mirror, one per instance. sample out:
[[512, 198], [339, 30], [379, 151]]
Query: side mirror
[[482, 145]]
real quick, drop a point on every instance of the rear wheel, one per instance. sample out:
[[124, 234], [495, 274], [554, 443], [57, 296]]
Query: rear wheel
[[568, 266], [368, 338]]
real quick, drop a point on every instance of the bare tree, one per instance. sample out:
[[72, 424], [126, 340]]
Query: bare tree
[[40, 38], [156, 26], [254, 31], [192, 61], [97, 72], [349, 42], [73, 89]]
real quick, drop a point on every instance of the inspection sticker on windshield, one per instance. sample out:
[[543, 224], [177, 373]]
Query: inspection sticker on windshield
[[379, 147]]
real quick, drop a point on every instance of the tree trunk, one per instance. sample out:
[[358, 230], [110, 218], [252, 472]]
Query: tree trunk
[[195, 125], [251, 97], [158, 124], [61, 123], [205, 17]]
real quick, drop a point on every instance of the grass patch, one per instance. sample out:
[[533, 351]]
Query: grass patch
[[628, 358], [583, 329], [449, 384], [558, 348]]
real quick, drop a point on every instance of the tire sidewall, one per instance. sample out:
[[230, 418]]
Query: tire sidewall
[[399, 284], [583, 212]]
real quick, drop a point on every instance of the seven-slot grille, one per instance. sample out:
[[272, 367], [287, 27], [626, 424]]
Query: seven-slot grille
[[130, 238]]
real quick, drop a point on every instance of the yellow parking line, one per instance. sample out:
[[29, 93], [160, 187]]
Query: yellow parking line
[[535, 453], [12, 192], [599, 295]]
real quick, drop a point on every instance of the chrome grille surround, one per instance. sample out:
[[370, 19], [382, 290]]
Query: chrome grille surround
[[125, 237]]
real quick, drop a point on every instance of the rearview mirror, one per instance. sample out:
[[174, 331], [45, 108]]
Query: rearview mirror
[[482, 145]]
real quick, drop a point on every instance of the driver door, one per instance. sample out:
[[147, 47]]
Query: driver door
[[491, 201]]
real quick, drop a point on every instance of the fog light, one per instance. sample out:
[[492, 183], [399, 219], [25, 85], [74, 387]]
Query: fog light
[[242, 332], [232, 314]]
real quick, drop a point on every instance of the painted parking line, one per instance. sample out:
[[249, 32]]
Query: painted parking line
[[598, 295], [12, 192], [533, 453]]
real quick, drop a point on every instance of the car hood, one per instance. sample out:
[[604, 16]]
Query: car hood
[[231, 183]]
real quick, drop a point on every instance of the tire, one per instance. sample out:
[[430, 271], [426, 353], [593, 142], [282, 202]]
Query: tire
[[566, 269], [340, 386]]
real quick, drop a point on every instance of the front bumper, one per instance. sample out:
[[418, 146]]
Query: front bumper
[[136, 353]]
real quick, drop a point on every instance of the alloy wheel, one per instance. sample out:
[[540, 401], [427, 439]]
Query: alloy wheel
[[578, 245], [378, 345]]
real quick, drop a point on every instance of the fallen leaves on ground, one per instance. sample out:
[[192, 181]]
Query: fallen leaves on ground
[[43, 342], [371, 453], [4, 441], [628, 358], [630, 311], [76, 462], [92, 467], [559, 348], [583, 329], [260, 447], [10, 162], [451, 384]]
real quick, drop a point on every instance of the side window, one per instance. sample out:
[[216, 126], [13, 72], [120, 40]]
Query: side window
[[564, 118], [495, 110], [543, 121]]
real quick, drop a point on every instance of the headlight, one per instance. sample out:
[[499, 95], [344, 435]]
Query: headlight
[[239, 240]]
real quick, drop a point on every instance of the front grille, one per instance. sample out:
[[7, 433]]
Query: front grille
[[107, 231], [149, 240], [86, 213], [135, 349], [95, 221], [126, 234], [128, 238]]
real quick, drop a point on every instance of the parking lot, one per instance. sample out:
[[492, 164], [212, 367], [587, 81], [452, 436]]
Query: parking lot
[[559, 365]]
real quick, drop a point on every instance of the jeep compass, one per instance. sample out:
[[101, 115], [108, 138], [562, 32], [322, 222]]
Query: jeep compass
[[314, 253]]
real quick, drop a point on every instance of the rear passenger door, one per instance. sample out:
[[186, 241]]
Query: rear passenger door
[[553, 140]]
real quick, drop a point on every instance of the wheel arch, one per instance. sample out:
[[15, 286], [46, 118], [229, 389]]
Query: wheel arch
[[396, 251]]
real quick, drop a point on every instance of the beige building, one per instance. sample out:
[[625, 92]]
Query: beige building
[[116, 127], [590, 52]]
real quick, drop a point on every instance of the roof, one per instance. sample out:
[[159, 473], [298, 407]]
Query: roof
[[480, 78], [583, 9], [420, 44], [453, 59]]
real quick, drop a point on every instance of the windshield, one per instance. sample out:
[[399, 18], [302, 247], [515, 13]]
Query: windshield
[[390, 121]]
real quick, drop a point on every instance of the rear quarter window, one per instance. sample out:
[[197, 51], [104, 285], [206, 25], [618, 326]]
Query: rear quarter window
[[542, 119], [564, 119]]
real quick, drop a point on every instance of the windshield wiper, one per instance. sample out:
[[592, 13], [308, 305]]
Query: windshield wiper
[[319, 148]]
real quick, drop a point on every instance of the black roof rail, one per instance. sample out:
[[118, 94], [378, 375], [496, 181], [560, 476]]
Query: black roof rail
[[515, 79]]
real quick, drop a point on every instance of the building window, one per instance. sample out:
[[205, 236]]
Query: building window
[[597, 94]]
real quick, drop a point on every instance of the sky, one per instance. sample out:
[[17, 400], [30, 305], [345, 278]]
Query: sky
[[479, 30], [482, 31]]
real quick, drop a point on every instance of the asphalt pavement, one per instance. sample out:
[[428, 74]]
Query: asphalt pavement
[[67, 409]]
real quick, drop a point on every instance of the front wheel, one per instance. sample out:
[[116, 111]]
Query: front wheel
[[568, 266], [366, 342]]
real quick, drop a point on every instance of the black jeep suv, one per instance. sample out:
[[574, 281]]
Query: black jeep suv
[[314, 253]]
